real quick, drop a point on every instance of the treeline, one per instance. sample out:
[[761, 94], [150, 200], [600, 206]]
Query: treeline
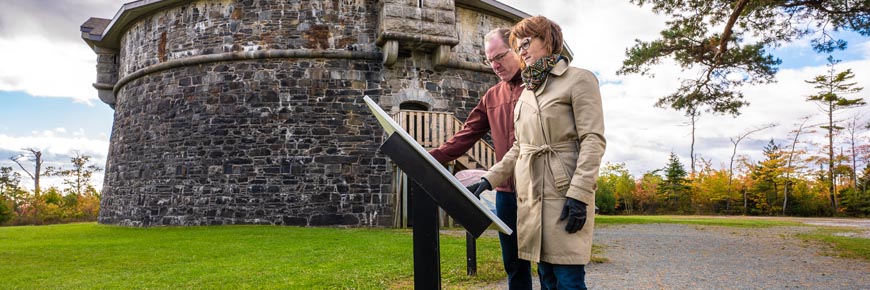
[[815, 181], [76, 201], [768, 187]]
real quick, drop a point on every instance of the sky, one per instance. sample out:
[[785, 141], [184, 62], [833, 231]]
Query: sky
[[47, 101]]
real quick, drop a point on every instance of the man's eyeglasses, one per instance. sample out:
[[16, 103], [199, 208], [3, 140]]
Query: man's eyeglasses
[[498, 58], [524, 44]]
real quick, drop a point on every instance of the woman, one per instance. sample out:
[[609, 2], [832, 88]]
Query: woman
[[559, 143]]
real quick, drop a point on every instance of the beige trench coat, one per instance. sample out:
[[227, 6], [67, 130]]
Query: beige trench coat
[[557, 153]]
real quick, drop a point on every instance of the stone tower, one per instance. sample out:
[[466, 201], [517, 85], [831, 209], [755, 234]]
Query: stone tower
[[251, 112]]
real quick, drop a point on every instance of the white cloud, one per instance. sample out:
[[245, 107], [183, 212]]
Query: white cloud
[[44, 68], [58, 20], [598, 31], [57, 148]]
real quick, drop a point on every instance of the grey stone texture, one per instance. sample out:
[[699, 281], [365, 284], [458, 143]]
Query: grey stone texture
[[280, 141]]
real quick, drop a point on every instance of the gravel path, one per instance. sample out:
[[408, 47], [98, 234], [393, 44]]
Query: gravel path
[[673, 256]]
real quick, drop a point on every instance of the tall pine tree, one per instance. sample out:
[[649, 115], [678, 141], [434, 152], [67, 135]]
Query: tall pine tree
[[832, 88]]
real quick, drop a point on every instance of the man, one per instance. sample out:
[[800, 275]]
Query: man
[[495, 113]]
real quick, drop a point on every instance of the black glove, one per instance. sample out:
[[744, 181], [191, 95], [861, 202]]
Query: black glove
[[575, 211], [479, 187]]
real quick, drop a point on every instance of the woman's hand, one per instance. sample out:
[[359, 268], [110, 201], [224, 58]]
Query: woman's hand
[[478, 187], [575, 212]]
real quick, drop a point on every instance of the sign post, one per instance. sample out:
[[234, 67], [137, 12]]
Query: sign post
[[432, 186]]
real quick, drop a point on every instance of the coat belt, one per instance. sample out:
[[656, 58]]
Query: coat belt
[[550, 153]]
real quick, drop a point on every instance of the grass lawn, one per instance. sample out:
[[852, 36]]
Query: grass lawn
[[841, 246], [88, 255]]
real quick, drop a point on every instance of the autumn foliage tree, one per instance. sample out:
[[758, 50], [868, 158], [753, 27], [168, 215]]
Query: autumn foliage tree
[[79, 201], [769, 179], [616, 189]]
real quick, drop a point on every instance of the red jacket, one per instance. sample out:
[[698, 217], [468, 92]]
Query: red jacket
[[495, 113]]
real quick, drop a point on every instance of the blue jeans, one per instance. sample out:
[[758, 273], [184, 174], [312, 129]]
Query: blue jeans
[[519, 272], [562, 276]]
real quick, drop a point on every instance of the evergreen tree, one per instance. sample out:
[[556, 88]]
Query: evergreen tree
[[674, 189], [831, 97], [768, 177]]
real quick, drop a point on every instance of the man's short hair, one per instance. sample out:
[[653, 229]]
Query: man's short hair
[[502, 33]]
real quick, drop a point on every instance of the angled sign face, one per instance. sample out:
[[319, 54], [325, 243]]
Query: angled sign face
[[439, 184]]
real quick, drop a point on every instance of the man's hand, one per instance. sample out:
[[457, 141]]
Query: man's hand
[[575, 212], [479, 187]]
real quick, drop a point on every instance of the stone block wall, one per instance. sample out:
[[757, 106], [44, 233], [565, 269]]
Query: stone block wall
[[418, 17], [471, 24], [264, 142], [267, 140], [215, 26]]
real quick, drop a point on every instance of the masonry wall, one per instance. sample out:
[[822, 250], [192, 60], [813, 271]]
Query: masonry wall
[[284, 141]]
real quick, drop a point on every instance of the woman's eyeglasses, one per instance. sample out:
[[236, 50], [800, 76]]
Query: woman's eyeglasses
[[498, 58], [524, 44]]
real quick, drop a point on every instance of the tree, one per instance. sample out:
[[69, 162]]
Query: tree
[[9, 182], [789, 168], [605, 196], [78, 178], [674, 187], [709, 188], [10, 189], [8, 193], [864, 181], [615, 180], [693, 115], [37, 166], [645, 190], [735, 55], [735, 142], [767, 175], [853, 127], [830, 98]]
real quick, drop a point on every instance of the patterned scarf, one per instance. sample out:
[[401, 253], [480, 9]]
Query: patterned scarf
[[535, 74]]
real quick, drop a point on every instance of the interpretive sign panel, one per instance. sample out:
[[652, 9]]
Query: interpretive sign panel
[[439, 184]]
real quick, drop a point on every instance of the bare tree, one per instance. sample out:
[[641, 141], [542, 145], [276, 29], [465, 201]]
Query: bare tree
[[854, 127], [694, 115], [797, 134], [736, 141], [36, 158]]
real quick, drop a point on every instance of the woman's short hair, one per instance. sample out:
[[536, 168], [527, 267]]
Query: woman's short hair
[[541, 27]]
